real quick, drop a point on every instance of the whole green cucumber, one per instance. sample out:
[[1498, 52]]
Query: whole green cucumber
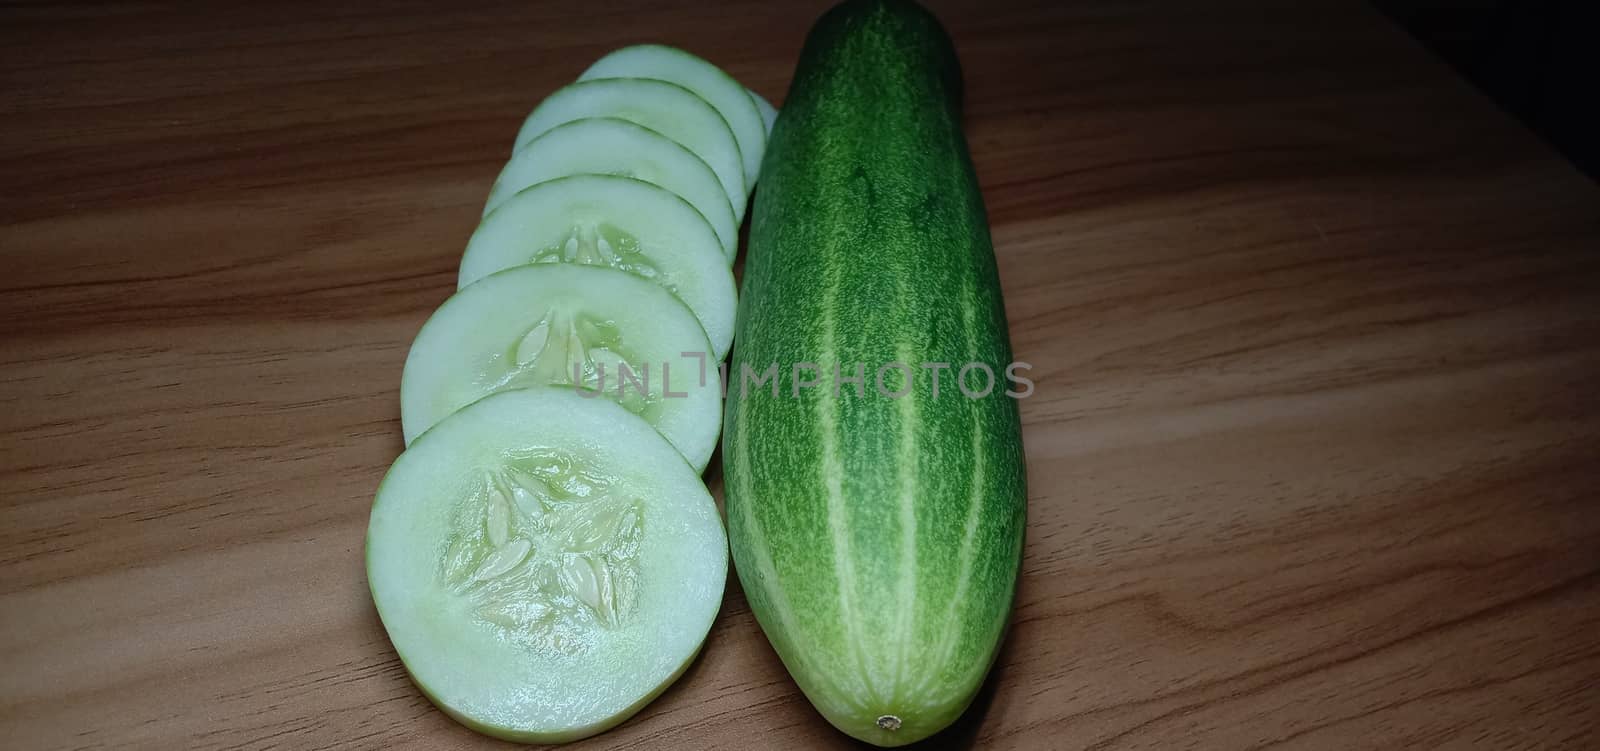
[[877, 537]]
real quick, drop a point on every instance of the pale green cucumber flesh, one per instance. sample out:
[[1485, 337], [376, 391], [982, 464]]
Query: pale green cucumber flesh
[[703, 78], [545, 564], [667, 108], [878, 539], [614, 221], [769, 113], [612, 146], [564, 324]]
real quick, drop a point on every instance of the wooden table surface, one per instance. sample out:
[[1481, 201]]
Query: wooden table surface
[[1316, 331]]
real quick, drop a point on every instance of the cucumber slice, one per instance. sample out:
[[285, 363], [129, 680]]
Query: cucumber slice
[[561, 324], [545, 564], [666, 108], [769, 113], [701, 77], [613, 146], [612, 221]]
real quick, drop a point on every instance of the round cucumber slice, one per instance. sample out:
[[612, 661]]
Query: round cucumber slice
[[613, 146], [701, 77], [769, 113], [666, 108], [621, 222], [568, 324], [545, 564]]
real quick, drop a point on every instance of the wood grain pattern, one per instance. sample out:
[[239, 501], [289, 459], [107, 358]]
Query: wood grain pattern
[[1316, 332]]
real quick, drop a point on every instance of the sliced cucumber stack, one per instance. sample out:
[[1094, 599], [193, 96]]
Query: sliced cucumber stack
[[704, 79], [666, 108], [612, 221], [544, 554], [613, 146], [614, 333], [545, 564]]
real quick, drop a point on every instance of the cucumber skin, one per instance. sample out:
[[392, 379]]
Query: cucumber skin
[[870, 244]]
